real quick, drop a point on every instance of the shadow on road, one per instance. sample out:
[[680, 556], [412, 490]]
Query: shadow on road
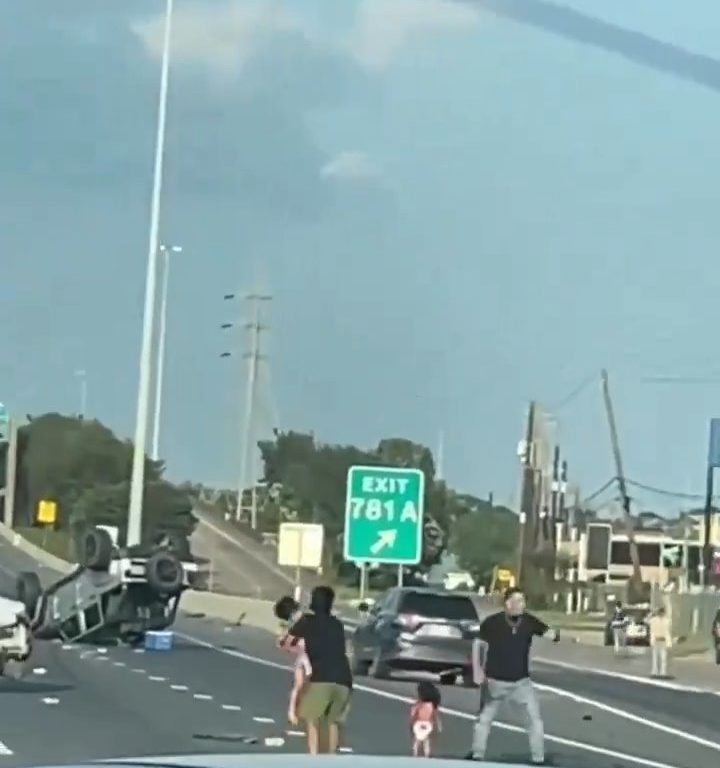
[[28, 686]]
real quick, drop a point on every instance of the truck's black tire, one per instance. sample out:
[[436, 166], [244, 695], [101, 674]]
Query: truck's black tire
[[96, 549], [164, 573], [29, 591]]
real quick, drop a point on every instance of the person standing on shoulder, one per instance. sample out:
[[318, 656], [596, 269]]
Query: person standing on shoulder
[[325, 699], [660, 642], [618, 625], [508, 636], [716, 635]]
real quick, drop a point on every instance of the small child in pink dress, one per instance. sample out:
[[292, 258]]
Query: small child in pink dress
[[425, 719], [301, 674]]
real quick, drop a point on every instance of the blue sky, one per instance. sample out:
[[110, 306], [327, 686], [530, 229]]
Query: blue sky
[[456, 205]]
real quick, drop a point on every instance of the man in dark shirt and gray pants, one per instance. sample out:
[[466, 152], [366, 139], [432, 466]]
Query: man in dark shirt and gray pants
[[508, 636]]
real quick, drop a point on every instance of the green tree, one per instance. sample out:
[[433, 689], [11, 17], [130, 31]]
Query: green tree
[[483, 538], [85, 469], [311, 479]]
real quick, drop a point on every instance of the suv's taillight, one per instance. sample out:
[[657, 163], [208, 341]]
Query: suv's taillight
[[407, 621]]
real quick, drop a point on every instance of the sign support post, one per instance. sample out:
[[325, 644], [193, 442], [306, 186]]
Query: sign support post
[[712, 463]]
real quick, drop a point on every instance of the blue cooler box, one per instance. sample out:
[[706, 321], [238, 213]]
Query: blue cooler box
[[158, 641]]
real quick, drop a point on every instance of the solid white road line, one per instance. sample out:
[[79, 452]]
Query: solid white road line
[[636, 759], [669, 684]]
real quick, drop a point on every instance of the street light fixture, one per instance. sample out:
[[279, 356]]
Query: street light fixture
[[137, 483]]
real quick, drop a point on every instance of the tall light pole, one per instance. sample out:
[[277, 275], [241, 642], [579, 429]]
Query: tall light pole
[[137, 483], [165, 252], [81, 375]]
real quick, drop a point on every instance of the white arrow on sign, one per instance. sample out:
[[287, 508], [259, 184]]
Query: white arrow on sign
[[385, 539]]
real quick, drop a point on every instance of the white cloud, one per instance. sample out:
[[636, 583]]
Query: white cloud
[[225, 36], [383, 27], [350, 166]]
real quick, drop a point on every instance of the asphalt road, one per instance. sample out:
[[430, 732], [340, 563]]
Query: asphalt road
[[239, 565], [222, 687]]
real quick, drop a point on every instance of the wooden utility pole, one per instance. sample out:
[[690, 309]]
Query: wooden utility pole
[[527, 493], [620, 476]]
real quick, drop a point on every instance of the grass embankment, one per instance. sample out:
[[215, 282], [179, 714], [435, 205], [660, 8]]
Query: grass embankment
[[57, 543]]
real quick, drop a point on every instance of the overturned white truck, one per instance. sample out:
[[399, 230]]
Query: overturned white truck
[[113, 595]]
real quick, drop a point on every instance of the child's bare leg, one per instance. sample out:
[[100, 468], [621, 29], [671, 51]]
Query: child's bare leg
[[415, 748], [426, 747]]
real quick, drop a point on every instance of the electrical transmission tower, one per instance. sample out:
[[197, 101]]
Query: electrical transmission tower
[[255, 357]]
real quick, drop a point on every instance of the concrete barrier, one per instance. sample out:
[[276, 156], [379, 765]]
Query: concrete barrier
[[239, 610]]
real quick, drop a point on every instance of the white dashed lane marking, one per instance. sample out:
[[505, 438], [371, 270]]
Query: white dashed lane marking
[[50, 700], [4, 749], [100, 655], [39, 671]]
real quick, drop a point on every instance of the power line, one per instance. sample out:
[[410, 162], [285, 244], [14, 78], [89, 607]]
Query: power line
[[599, 491], [578, 390], [665, 492]]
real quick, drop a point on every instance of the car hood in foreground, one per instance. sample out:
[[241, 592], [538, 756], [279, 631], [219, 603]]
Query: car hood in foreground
[[281, 760]]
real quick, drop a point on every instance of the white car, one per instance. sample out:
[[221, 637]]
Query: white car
[[15, 637]]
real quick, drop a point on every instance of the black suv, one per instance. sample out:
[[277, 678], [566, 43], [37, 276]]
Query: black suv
[[416, 629]]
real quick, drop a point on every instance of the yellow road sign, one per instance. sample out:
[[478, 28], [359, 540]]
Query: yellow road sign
[[46, 512]]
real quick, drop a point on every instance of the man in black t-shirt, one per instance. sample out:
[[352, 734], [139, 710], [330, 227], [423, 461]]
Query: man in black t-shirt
[[508, 636], [326, 698]]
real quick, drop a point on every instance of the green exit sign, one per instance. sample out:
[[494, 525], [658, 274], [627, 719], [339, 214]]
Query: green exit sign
[[384, 515]]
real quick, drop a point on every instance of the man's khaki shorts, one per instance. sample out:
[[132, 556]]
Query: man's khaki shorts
[[327, 702]]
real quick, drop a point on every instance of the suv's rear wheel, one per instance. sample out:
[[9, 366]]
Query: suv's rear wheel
[[357, 665], [378, 668], [448, 678]]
